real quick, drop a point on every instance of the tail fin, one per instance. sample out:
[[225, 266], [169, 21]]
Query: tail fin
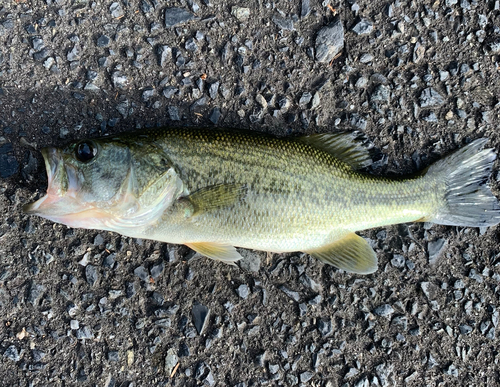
[[468, 200]]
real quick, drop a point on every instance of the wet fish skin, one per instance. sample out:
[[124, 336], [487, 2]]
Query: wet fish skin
[[213, 189]]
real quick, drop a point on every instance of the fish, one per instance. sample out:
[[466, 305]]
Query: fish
[[217, 189]]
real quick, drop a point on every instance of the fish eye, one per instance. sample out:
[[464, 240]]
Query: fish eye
[[85, 151]]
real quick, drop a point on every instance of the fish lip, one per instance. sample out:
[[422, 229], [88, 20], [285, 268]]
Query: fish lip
[[52, 158]]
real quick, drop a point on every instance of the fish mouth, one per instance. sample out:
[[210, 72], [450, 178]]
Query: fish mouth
[[55, 190], [61, 203]]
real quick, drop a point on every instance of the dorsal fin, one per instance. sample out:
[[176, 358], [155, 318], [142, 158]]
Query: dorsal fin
[[350, 147]]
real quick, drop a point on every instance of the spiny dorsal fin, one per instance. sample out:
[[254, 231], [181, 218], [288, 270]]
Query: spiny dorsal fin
[[215, 197], [219, 252], [350, 147], [350, 253]]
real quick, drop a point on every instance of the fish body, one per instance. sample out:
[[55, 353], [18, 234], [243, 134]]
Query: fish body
[[213, 189]]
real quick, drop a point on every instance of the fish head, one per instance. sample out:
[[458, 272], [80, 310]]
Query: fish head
[[87, 182]]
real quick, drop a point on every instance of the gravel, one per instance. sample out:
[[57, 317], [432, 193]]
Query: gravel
[[363, 27], [175, 16], [418, 79], [329, 41], [431, 98]]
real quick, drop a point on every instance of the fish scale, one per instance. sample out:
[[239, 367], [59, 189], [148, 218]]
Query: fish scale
[[313, 190]]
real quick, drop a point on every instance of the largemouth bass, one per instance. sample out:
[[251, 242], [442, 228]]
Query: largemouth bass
[[214, 189]]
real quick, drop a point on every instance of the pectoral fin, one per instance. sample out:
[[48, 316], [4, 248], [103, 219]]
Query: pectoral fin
[[350, 253], [215, 197], [219, 252]]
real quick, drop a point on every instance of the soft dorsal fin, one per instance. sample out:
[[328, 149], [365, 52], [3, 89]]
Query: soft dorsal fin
[[350, 147], [350, 253]]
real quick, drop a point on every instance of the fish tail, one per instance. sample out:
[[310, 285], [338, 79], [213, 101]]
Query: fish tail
[[468, 201]]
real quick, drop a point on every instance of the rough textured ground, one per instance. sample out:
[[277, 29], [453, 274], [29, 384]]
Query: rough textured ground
[[94, 308]]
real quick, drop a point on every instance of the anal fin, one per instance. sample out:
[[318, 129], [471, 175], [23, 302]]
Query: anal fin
[[216, 251], [350, 253]]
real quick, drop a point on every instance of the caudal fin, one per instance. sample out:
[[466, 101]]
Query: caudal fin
[[468, 199]]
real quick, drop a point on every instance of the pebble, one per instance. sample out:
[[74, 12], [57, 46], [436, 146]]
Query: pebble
[[146, 6], [148, 93], [90, 86], [305, 9], [435, 249], [384, 372], [306, 376], [459, 284], [398, 261], [164, 54], [243, 291], [366, 58], [200, 315], [361, 82], [357, 121], [325, 327], [261, 101], [91, 274], [290, 293], [476, 276], [381, 93], [431, 117], [37, 43], [171, 361], [385, 310], [73, 54], [329, 41], [351, 373], [240, 13], [173, 113], [283, 23], [418, 52], [102, 41], [38, 355], [169, 91], [430, 98], [175, 16], [198, 104], [12, 353], [400, 322], [429, 289], [123, 108], [191, 45], [113, 356], [156, 270], [84, 333], [116, 10], [142, 273], [452, 370], [119, 80], [305, 98], [42, 54], [213, 90], [35, 293], [183, 350], [215, 115], [363, 27]]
